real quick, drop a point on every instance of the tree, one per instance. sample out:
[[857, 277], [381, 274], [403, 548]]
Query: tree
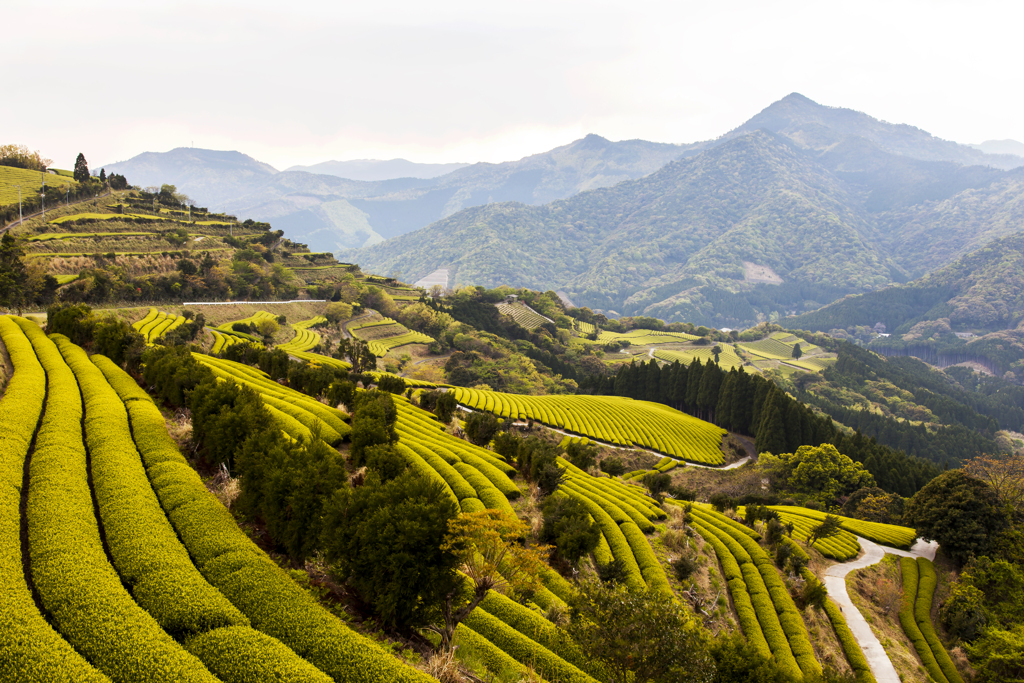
[[12, 273], [120, 342], [337, 312], [481, 427], [267, 327], [821, 471], [829, 527], [445, 406], [639, 634], [797, 351], [492, 555], [1004, 474], [568, 526], [387, 540], [960, 512], [103, 175], [657, 483], [581, 455], [81, 168]]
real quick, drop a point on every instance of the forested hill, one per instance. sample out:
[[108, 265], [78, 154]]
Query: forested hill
[[980, 292], [680, 243]]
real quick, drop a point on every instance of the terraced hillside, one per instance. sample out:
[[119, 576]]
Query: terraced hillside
[[149, 597], [386, 334], [614, 420]]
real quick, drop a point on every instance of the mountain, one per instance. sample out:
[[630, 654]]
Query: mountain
[[746, 228], [980, 292], [375, 169], [208, 176], [816, 126], [332, 214], [1001, 147]]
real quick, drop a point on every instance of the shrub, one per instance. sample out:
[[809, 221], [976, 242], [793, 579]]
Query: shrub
[[568, 526], [613, 466]]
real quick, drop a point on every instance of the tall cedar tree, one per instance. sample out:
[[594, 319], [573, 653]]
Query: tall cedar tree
[[81, 168]]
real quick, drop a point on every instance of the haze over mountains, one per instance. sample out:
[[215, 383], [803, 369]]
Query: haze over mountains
[[826, 201], [330, 213], [797, 207], [375, 169]]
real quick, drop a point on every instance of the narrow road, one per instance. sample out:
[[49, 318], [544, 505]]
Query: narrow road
[[52, 208], [835, 581]]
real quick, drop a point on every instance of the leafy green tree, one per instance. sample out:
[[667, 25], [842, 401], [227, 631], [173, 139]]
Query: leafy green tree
[[797, 351], [998, 655], [657, 483], [481, 427], [568, 526], [385, 539], [960, 512], [12, 273], [613, 466], [639, 634], [373, 423], [581, 455], [287, 485], [445, 406], [829, 527], [81, 168], [224, 416], [737, 661], [821, 471], [120, 342], [103, 175]]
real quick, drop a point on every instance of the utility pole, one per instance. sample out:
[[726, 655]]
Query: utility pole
[[42, 196], [20, 219]]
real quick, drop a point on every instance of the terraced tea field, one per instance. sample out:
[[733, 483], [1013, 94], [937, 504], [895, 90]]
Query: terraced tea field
[[156, 324], [30, 182], [523, 314], [165, 606], [386, 334], [611, 419], [727, 359]]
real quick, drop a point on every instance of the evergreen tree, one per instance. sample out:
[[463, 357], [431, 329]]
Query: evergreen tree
[[103, 175], [797, 351], [81, 168], [694, 376]]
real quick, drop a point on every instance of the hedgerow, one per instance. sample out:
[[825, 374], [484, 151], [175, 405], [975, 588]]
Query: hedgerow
[[617, 543], [30, 649], [650, 567], [145, 549], [494, 658], [907, 620], [522, 649], [471, 505], [854, 654], [926, 583], [262, 591], [77, 585], [417, 463], [238, 654], [886, 534], [538, 629]]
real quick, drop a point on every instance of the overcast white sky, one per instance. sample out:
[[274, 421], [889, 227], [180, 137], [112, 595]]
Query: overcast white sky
[[298, 82]]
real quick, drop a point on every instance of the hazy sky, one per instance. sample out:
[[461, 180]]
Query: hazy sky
[[299, 82]]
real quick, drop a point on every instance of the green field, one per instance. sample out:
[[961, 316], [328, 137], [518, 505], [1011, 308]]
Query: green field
[[522, 314], [162, 531], [30, 182], [612, 419], [727, 359]]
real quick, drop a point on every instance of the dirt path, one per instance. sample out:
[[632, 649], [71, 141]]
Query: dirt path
[[835, 581]]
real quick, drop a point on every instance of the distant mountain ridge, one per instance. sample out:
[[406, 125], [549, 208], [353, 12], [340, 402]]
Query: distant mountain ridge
[[795, 191], [376, 169], [330, 213]]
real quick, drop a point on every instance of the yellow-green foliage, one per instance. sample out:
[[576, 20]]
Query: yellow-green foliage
[[919, 582], [261, 590], [727, 359], [30, 650], [77, 585], [886, 534], [614, 419], [854, 654], [524, 315], [296, 413], [523, 649], [620, 511], [644, 337], [103, 217], [50, 236], [780, 622], [304, 339], [156, 324], [242, 654], [534, 626], [146, 551], [842, 547], [30, 182]]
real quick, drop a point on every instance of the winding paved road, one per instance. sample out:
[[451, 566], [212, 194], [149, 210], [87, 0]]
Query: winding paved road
[[835, 581]]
